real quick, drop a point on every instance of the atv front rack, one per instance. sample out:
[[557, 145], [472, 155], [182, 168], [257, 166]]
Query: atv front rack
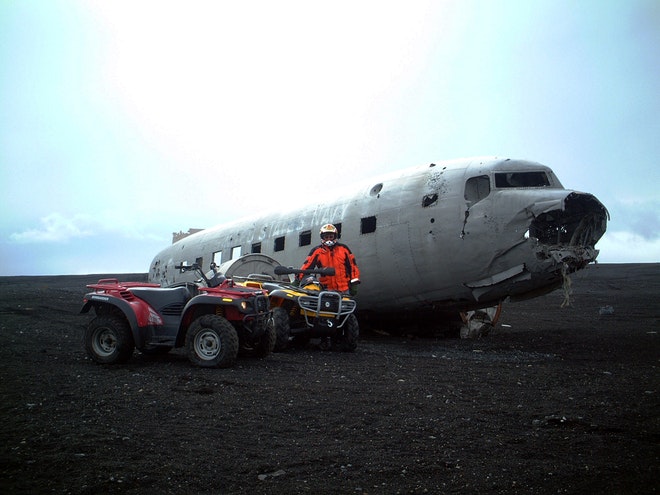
[[327, 304]]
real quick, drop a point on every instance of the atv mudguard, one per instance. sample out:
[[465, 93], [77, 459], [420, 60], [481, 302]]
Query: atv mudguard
[[206, 304], [100, 300], [197, 306], [285, 294]]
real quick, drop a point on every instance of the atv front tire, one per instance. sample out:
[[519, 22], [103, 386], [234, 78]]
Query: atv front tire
[[261, 347], [282, 329], [267, 342], [108, 339], [212, 342], [348, 341]]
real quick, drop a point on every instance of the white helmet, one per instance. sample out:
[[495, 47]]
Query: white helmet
[[329, 235]]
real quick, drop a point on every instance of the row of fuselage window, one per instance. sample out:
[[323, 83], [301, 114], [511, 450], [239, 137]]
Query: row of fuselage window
[[367, 226]]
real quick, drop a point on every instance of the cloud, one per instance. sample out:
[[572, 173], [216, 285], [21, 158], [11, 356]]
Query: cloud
[[639, 215], [628, 247], [61, 244], [633, 232], [55, 228]]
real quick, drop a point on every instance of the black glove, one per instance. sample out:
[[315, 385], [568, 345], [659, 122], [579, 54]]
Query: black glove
[[353, 288]]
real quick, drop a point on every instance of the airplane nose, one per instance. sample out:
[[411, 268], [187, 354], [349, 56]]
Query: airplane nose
[[568, 234], [580, 222]]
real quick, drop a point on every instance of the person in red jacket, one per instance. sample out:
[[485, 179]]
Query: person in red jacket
[[337, 255]]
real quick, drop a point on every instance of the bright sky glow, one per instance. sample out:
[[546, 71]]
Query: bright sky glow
[[123, 121]]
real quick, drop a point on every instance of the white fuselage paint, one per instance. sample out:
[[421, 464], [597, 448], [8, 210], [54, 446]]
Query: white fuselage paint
[[425, 252]]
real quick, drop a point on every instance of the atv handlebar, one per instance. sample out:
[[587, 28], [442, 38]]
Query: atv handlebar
[[198, 269], [288, 270], [187, 268]]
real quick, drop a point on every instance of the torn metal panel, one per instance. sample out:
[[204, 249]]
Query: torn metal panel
[[507, 279], [560, 232], [540, 207], [497, 278], [580, 221]]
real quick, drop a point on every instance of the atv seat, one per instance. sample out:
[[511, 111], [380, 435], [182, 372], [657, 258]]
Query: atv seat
[[160, 297], [191, 286]]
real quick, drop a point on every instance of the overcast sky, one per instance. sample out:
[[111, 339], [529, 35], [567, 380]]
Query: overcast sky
[[123, 121]]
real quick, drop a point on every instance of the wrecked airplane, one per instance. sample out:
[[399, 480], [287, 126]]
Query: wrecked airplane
[[454, 236]]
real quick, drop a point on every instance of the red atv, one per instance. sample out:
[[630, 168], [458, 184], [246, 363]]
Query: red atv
[[214, 318]]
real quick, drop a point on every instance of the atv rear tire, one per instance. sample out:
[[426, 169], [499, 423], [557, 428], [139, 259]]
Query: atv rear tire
[[212, 342], [348, 341], [108, 339], [282, 329]]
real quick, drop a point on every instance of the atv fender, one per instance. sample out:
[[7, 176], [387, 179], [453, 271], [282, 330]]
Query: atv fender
[[98, 301], [197, 306], [284, 295]]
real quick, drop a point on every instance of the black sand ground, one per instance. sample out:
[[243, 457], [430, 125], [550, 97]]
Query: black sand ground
[[558, 400]]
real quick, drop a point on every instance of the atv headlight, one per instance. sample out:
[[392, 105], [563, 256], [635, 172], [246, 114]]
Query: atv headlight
[[244, 305]]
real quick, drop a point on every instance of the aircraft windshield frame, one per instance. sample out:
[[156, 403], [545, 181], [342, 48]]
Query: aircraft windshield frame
[[537, 178]]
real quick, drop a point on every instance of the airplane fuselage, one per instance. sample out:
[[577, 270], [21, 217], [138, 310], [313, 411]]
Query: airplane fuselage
[[460, 234]]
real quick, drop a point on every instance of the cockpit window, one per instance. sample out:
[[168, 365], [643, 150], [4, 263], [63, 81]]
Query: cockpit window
[[477, 188], [522, 179]]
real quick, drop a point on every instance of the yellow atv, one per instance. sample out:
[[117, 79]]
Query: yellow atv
[[300, 311], [308, 311]]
